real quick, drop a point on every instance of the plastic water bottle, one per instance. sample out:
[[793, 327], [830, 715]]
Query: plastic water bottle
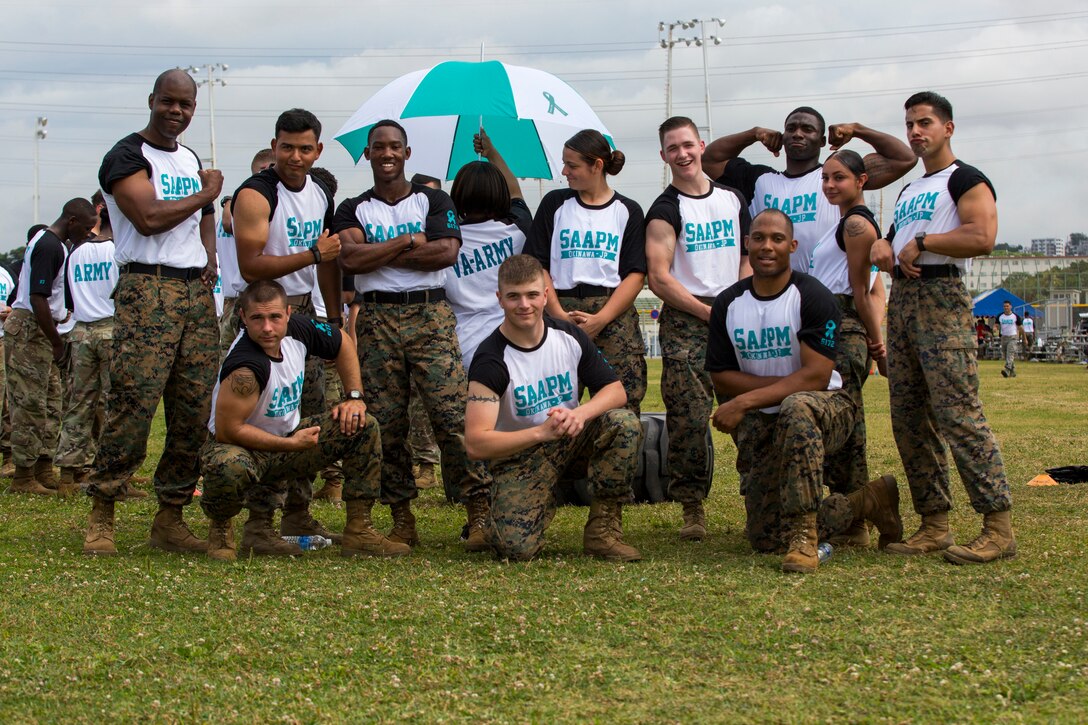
[[823, 551], [309, 543]]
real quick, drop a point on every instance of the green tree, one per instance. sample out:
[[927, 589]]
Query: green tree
[[9, 258]]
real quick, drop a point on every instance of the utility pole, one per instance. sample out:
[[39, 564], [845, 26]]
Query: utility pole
[[39, 134], [211, 82]]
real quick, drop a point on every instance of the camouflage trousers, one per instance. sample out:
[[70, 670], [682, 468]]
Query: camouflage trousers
[[848, 469], [933, 384], [621, 344], [165, 347], [421, 444], [689, 402], [236, 477], [523, 504], [418, 342], [781, 457], [228, 326], [334, 392], [5, 409], [85, 408], [301, 491], [33, 389], [1009, 347]]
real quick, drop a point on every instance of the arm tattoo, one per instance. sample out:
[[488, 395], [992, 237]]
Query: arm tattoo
[[482, 399], [243, 382], [855, 227]]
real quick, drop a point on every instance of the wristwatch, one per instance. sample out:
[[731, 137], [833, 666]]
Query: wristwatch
[[355, 395], [920, 240]]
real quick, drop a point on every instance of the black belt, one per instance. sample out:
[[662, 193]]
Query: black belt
[[584, 290], [846, 302], [161, 270], [930, 271], [405, 298], [298, 301]]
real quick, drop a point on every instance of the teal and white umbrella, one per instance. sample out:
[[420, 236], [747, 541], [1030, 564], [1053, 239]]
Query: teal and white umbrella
[[528, 114]]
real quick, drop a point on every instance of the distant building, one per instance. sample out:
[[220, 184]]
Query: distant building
[[1077, 246], [1053, 247]]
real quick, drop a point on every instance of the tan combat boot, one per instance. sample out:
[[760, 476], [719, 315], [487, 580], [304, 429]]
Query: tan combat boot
[[131, 492], [603, 535], [362, 539], [995, 542], [856, 535], [479, 511], [331, 490], [932, 535], [45, 474], [169, 532], [70, 479], [8, 469], [260, 539], [99, 538], [221, 544], [878, 502], [297, 521], [424, 475], [802, 557], [25, 482], [694, 528], [404, 524]]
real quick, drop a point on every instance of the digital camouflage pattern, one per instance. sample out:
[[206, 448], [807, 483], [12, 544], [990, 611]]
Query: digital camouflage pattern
[[33, 396], [1009, 347], [166, 345], [933, 384], [606, 452], [235, 477], [228, 327], [85, 408], [848, 470], [688, 395], [334, 392], [782, 456], [621, 344], [418, 340], [5, 413], [421, 444], [301, 491]]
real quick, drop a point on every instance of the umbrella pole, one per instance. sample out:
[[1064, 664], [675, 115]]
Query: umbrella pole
[[481, 124]]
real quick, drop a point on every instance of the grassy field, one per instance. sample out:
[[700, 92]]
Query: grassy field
[[695, 632]]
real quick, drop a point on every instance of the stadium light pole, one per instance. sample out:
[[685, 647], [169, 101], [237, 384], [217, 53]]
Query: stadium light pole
[[702, 41], [211, 82], [39, 134]]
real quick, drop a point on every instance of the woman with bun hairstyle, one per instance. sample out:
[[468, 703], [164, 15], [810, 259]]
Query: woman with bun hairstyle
[[840, 260], [591, 241]]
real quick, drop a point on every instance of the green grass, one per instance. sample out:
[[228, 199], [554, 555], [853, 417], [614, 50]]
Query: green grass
[[704, 632]]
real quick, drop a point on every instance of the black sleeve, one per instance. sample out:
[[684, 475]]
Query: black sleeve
[[46, 261], [488, 367], [820, 316], [538, 242], [264, 186], [246, 354], [890, 236], [666, 207], [208, 208], [742, 175], [720, 353], [347, 282], [330, 209], [121, 162], [442, 217], [745, 218], [320, 338], [965, 178], [520, 215], [633, 244], [345, 217], [593, 370]]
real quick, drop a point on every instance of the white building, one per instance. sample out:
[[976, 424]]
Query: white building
[[1052, 247]]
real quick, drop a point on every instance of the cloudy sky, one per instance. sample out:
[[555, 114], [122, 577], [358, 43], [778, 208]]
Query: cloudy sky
[[1017, 75]]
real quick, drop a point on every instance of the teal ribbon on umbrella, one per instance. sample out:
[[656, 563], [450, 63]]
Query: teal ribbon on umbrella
[[552, 105]]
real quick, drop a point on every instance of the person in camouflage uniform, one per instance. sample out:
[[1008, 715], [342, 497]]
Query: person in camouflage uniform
[[31, 333], [525, 418], [941, 220], [398, 238], [166, 337], [422, 446], [259, 445], [785, 401]]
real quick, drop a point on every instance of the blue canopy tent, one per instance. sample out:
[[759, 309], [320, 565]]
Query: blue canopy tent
[[989, 304]]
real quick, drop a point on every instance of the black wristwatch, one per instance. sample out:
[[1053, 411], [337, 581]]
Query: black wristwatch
[[338, 321], [355, 395], [920, 240]]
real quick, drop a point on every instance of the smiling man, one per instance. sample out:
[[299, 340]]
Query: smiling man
[[398, 238], [771, 352], [166, 336], [524, 416], [694, 249], [281, 219]]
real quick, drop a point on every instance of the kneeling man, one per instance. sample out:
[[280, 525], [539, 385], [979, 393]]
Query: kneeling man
[[258, 444], [771, 354], [523, 416]]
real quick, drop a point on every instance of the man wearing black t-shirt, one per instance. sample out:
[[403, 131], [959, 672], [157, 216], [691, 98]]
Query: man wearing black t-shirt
[[524, 416], [31, 333], [771, 351]]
